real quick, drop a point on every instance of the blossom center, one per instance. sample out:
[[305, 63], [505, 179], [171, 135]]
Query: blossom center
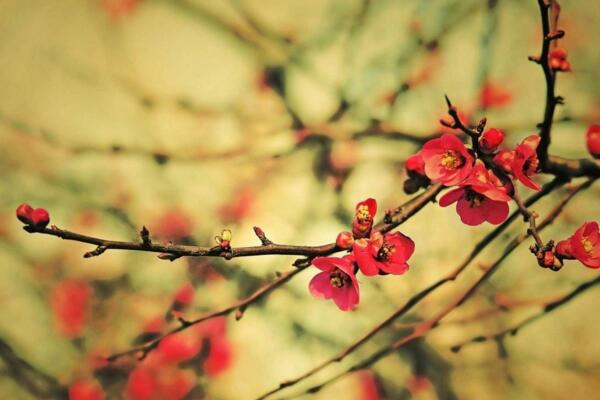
[[452, 160], [475, 199], [362, 213], [338, 279], [587, 244], [386, 251]]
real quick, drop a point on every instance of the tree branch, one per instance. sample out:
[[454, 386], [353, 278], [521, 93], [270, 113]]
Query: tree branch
[[416, 298], [425, 327]]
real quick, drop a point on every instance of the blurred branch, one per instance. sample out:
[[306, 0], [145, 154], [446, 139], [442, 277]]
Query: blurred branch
[[238, 307], [423, 328], [38, 383], [547, 308], [416, 298]]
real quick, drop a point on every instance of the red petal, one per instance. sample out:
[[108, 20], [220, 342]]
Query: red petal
[[451, 197], [363, 257]]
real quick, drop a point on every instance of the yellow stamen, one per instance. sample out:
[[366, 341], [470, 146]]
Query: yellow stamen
[[337, 279], [362, 213], [452, 160], [587, 244]]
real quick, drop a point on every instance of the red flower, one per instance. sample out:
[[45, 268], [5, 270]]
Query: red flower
[[493, 95], [173, 225], [219, 356], [491, 140], [151, 381], [336, 281], [179, 347], [585, 244], [482, 197], [447, 160], [69, 300], [526, 162], [184, 296], [593, 140], [386, 253], [238, 207], [86, 389], [369, 389], [557, 58], [141, 384], [363, 218]]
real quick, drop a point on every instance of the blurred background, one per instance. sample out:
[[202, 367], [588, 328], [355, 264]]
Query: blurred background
[[191, 116]]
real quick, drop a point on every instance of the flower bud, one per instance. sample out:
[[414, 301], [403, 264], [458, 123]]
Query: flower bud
[[593, 140], [225, 239], [491, 140], [344, 240], [24, 213], [557, 58], [546, 259], [415, 166], [363, 218], [40, 218]]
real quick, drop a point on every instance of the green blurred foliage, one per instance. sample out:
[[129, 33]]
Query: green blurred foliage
[[192, 107]]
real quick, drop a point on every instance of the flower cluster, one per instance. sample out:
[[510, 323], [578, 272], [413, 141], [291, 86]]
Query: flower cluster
[[371, 252], [480, 195]]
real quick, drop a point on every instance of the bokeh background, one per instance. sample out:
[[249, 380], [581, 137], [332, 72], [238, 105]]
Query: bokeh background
[[189, 116]]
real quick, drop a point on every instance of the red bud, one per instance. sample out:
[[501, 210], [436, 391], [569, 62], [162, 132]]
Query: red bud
[[24, 213], [491, 140], [344, 240], [40, 218]]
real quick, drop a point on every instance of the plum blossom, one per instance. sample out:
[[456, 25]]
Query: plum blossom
[[480, 198], [584, 245], [447, 160], [336, 281], [387, 253]]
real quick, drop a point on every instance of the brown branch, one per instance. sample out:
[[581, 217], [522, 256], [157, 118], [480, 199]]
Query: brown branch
[[416, 298], [191, 251], [425, 327], [546, 309], [173, 251]]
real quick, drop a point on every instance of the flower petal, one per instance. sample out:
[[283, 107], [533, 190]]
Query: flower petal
[[320, 287], [497, 211], [469, 215], [364, 259], [451, 197]]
